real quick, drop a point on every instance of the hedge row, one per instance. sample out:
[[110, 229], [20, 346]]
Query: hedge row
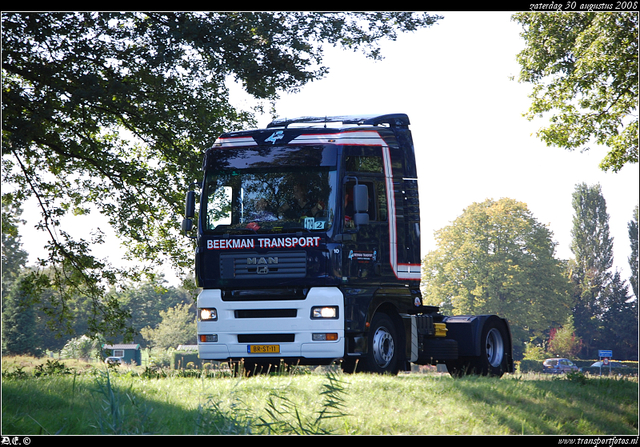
[[630, 369], [183, 360], [187, 360]]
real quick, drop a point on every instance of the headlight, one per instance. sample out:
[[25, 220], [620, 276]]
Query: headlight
[[325, 312], [208, 314]]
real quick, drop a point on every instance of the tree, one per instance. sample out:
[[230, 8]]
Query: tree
[[584, 68], [147, 300], [14, 258], [177, 327], [110, 112], [592, 247], [619, 326], [497, 258], [633, 257], [19, 334], [563, 341], [81, 348]]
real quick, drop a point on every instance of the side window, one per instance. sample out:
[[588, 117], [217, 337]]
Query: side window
[[366, 164], [377, 202]]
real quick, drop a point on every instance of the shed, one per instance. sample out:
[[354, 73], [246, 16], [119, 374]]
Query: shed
[[129, 353]]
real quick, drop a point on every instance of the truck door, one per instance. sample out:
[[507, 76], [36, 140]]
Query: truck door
[[365, 245]]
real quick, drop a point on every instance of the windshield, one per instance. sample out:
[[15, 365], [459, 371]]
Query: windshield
[[269, 200]]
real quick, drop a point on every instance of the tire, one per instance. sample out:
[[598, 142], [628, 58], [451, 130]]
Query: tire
[[494, 353], [384, 347]]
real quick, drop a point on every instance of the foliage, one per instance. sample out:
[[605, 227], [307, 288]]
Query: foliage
[[534, 352], [177, 327], [281, 416], [147, 300], [51, 368], [373, 405], [591, 242], [530, 365], [577, 377], [119, 411], [109, 112], [563, 341], [589, 271], [584, 69], [19, 334], [81, 347], [604, 311], [14, 258], [496, 258], [632, 226], [619, 325]]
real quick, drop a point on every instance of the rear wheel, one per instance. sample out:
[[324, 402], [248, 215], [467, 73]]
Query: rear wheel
[[383, 347], [493, 353]]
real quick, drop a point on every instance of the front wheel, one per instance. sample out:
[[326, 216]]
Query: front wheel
[[383, 347], [494, 353]]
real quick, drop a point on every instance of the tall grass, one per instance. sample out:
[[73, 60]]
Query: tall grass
[[285, 410], [130, 401]]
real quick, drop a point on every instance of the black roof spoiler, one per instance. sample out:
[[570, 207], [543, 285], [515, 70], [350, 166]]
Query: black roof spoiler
[[393, 120]]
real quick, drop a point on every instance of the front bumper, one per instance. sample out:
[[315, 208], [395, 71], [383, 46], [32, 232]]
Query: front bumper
[[238, 331]]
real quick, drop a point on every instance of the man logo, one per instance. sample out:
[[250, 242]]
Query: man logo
[[262, 263], [262, 260]]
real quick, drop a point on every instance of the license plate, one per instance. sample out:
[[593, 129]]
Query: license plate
[[263, 349]]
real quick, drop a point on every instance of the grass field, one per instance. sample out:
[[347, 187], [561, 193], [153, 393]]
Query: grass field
[[96, 400]]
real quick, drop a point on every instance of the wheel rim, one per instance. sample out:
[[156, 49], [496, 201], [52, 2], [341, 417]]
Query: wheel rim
[[494, 347], [383, 347]]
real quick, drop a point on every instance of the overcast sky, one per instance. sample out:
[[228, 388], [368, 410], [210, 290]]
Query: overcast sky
[[472, 142]]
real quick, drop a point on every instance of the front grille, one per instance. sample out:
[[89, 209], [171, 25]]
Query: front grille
[[272, 265], [266, 313], [266, 338], [276, 294]]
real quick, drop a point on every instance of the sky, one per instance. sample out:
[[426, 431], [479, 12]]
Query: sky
[[457, 82], [454, 81]]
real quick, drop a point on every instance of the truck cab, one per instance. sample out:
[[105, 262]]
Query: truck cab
[[308, 248]]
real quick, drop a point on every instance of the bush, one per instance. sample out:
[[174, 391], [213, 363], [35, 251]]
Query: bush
[[180, 360], [595, 371], [526, 366], [51, 368]]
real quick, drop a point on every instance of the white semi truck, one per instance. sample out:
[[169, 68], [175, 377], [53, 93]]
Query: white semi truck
[[308, 252]]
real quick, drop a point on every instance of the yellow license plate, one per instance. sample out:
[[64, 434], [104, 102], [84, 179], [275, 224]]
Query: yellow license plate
[[263, 349]]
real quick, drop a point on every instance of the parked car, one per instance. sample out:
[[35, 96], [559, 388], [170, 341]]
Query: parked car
[[612, 364], [113, 360], [558, 366]]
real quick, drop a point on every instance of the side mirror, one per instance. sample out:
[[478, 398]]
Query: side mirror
[[361, 204], [187, 225], [189, 213], [190, 205]]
